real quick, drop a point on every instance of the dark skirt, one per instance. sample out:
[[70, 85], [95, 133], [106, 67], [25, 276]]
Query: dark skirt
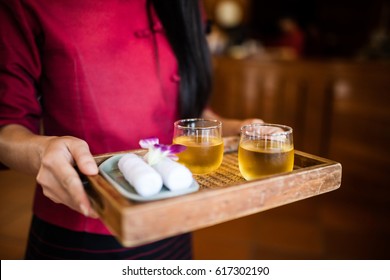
[[47, 241]]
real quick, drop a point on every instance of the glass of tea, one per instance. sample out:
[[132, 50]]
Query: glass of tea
[[203, 139], [265, 149]]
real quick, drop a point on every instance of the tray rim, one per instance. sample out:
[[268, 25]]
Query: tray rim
[[123, 213]]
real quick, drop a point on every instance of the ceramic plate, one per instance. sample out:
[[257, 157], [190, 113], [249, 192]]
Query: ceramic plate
[[110, 171]]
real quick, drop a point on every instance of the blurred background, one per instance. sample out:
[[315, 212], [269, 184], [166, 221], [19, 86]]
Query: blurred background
[[320, 66]]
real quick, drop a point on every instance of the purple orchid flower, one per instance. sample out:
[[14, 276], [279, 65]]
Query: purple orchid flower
[[159, 151], [148, 142]]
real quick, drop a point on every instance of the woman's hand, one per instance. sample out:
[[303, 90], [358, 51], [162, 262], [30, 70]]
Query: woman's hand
[[52, 161], [59, 179], [230, 127]]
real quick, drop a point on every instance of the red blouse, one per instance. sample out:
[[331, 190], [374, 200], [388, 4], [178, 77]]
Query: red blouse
[[89, 69]]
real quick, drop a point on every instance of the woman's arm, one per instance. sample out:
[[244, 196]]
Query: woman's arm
[[51, 160], [230, 127]]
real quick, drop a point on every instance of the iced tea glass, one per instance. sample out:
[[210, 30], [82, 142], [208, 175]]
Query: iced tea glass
[[203, 139], [265, 149]]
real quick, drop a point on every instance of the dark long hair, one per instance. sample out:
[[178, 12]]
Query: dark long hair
[[185, 31]]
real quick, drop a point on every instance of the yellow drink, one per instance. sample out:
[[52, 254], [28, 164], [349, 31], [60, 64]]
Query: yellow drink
[[259, 158], [203, 155]]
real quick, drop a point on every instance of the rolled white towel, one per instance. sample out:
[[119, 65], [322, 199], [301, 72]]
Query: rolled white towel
[[145, 180], [175, 175]]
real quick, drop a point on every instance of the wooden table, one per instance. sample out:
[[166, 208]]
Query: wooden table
[[223, 195]]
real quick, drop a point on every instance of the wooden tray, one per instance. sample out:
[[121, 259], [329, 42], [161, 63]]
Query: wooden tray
[[224, 195]]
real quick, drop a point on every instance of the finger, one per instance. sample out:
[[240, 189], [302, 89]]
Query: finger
[[253, 121], [86, 164], [91, 213], [273, 130], [53, 191], [83, 157], [69, 189], [51, 187], [72, 184], [48, 181]]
